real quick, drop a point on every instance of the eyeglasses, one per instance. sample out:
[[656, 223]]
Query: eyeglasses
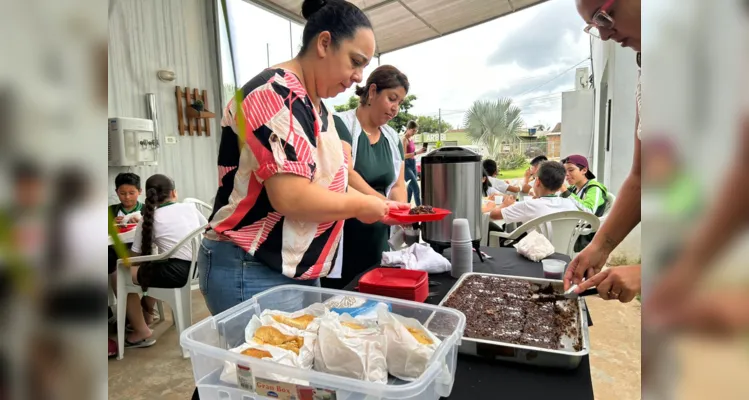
[[601, 19]]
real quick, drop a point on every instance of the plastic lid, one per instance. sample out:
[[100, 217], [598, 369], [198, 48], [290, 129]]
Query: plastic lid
[[450, 155]]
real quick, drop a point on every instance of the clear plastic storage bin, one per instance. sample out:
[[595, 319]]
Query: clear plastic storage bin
[[208, 342]]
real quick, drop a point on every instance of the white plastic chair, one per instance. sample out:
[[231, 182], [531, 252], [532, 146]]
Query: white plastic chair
[[178, 299], [204, 208], [562, 229]]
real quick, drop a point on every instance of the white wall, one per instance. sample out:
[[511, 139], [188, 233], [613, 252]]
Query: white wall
[[577, 122], [615, 77], [144, 37], [615, 70]]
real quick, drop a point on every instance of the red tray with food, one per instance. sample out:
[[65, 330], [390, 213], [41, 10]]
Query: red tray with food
[[398, 283], [419, 214]]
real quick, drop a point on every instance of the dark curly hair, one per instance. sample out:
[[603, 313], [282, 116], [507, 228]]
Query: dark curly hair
[[158, 190]]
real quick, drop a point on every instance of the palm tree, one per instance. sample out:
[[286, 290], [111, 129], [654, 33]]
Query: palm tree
[[493, 123]]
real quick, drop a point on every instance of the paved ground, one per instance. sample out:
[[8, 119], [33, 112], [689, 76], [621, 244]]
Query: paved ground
[[159, 372]]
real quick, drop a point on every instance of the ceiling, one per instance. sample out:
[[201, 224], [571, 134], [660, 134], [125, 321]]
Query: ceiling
[[402, 23]]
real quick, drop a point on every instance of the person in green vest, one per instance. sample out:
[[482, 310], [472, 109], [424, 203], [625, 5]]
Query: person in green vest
[[376, 168], [128, 189], [584, 189], [589, 194]]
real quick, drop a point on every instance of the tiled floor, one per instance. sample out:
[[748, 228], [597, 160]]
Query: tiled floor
[[159, 372]]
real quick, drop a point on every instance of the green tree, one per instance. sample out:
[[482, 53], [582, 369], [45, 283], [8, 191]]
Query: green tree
[[353, 102], [432, 125], [493, 124]]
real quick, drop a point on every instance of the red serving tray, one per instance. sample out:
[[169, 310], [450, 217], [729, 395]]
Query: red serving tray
[[398, 283], [404, 216]]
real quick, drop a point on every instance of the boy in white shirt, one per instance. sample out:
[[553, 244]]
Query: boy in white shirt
[[530, 174], [549, 178]]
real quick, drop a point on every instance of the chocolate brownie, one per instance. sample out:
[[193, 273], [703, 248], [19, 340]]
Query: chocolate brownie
[[502, 310]]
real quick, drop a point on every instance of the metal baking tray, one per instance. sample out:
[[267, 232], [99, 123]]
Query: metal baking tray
[[567, 358]]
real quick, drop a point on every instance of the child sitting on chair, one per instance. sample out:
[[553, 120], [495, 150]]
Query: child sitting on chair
[[549, 179], [164, 224], [127, 186]]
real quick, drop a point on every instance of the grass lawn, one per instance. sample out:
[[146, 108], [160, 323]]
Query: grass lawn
[[512, 173]]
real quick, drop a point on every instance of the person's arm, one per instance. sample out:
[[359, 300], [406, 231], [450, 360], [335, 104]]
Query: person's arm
[[507, 211], [297, 198], [716, 230], [398, 191], [526, 187], [625, 214], [622, 218], [513, 188]]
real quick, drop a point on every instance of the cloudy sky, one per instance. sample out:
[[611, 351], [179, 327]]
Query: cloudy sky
[[530, 56]]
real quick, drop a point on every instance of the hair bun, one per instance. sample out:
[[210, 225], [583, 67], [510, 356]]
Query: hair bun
[[310, 7], [359, 91]]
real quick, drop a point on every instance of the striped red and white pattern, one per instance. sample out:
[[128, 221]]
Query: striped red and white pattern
[[222, 171], [245, 215]]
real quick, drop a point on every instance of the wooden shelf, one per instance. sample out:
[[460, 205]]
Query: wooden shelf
[[197, 121], [193, 113]]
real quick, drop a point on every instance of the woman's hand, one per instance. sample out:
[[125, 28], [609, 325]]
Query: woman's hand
[[588, 263], [371, 209], [615, 283], [488, 207], [118, 220], [394, 206], [134, 219]]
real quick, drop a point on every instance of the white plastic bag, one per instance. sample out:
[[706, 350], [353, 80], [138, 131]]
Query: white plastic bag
[[397, 237], [344, 349], [306, 355], [272, 317], [240, 376], [407, 358], [535, 246], [418, 257]]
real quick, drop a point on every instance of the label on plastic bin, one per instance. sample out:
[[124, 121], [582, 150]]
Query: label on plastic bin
[[245, 379], [288, 391]]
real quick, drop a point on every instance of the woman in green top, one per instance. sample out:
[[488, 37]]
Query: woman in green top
[[375, 168]]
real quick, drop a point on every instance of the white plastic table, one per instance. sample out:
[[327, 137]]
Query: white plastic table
[[125, 237]]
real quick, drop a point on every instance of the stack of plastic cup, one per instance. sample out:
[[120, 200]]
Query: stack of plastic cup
[[461, 248]]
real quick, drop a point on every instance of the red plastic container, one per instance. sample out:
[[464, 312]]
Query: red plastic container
[[398, 283], [403, 216]]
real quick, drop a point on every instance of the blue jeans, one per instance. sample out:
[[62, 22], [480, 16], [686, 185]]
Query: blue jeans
[[413, 185], [229, 275]]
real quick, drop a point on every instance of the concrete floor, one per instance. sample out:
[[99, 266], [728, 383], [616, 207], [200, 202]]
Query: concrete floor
[[159, 372]]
